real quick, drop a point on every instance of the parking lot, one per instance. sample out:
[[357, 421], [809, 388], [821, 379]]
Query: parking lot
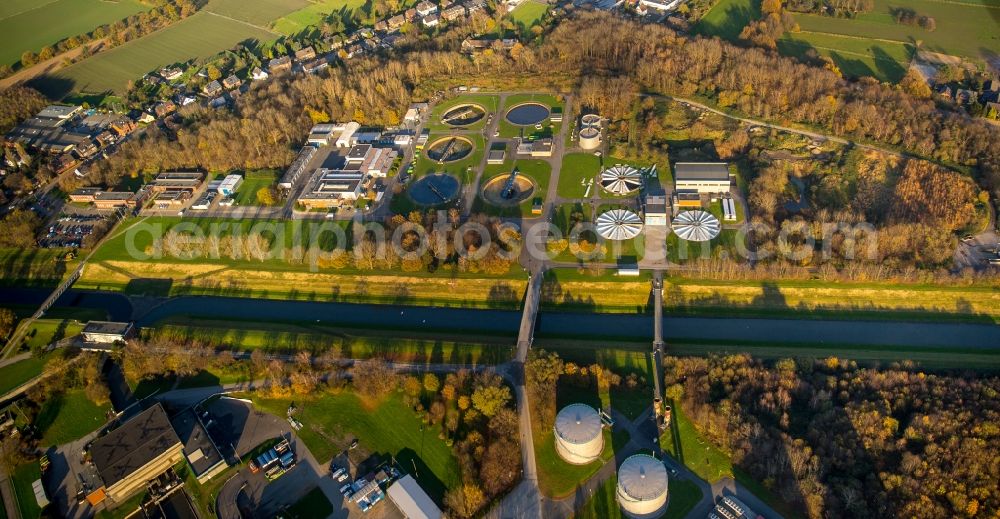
[[70, 231], [239, 426]]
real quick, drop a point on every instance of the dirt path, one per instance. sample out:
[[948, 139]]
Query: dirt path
[[50, 65]]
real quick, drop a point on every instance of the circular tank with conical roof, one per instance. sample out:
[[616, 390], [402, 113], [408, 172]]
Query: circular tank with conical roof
[[642, 487], [579, 439]]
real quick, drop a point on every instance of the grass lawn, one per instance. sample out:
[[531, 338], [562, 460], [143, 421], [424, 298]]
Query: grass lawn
[[388, 428], [529, 13], [313, 504], [22, 478], [13, 375], [556, 478], [46, 331], [683, 495], [278, 337], [69, 416], [199, 36], [246, 194], [489, 102], [685, 444], [33, 267], [30, 26], [728, 18], [684, 251], [578, 168], [886, 61], [549, 129], [314, 13]]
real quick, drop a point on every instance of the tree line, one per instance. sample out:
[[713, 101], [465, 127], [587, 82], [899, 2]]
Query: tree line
[[127, 29], [839, 440]]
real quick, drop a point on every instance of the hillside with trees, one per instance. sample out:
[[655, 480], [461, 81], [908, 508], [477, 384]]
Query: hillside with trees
[[839, 440]]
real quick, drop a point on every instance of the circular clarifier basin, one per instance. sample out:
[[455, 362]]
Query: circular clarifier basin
[[527, 114], [450, 149], [463, 115], [434, 189], [502, 190]]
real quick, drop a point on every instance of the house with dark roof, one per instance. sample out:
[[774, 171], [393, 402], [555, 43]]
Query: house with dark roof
[[135, 453]]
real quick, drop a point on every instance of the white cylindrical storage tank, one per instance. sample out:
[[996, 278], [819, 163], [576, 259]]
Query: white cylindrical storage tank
[[590, 120], [642, 487], [590, 138], [579, 439]]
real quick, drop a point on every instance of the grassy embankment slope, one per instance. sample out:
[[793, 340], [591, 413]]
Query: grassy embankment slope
[[114, 267]]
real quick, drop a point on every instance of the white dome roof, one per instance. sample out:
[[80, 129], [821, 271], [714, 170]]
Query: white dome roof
[[642, 478], [696, 226], [578, 424], [621, 179], [619, 224]]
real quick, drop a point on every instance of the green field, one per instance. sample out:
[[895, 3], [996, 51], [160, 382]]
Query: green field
[[313, 14], [683, 496], [27, 25], [22, 478], [874, 44], [200, 36], [256, 12], [529, 12], [390, 428], [246, 194], [69, 416], [963, 28], [33, 267], [13, 375], [886, 61], [727, 18], [577, 168]]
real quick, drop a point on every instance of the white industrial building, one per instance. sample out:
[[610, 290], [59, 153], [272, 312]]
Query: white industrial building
[[107, 332], [578, 434], [660, 5], [702, 177], [642, 487], [411, 500], [346, 137], [230, 184]]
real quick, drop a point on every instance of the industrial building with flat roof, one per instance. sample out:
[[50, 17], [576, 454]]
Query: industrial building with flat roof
[[134, 454], [339, 176], [702, 177], [177, 181], [45, 131], [108, 332], [201, 452]]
